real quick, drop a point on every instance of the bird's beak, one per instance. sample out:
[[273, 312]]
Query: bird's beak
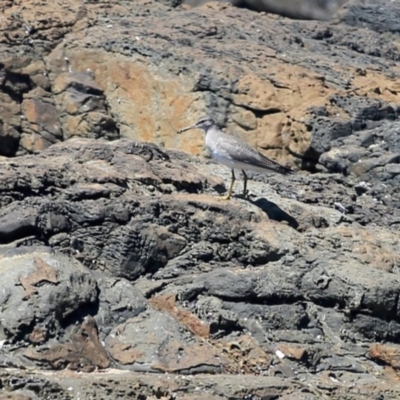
[[187, 128]]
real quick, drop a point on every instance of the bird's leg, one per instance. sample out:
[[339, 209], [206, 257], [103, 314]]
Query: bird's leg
[[229, 194], [245, 192]]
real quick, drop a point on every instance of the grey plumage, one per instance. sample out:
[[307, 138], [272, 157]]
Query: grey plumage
[[242, 152], [235, 153]]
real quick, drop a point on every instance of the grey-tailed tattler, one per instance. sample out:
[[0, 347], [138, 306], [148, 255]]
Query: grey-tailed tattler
[[234, 153]]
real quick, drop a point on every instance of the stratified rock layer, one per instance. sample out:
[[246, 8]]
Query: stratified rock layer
[[149, 272], [117, 260], [298, 90]]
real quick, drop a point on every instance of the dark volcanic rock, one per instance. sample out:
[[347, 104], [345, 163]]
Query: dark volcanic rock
[[372, 15], [48, 290], [119, 300], [116, 254], [142, 70], [148, 272], [299, 9]]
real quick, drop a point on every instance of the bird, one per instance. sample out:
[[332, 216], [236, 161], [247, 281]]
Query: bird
[[234, 153]]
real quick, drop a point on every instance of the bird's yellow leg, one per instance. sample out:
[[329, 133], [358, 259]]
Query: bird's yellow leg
[[245, 193], [229, 193]]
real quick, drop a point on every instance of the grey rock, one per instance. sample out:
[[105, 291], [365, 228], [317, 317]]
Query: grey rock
[[371, 15], [271, 317], [220, 271], [167, 350], [299, 9], [145, 248], [309, 263], [118, 301], [48, 290]]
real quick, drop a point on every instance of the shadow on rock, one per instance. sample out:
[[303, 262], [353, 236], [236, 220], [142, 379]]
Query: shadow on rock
[[274, 212]]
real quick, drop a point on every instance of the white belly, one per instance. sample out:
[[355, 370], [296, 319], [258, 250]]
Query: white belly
[[216, 143], [224, 160], [235, 164]]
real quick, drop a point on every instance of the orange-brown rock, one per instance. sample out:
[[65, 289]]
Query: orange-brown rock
[[111, 70]]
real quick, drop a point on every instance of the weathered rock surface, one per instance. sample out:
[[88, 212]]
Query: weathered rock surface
[[149, 272], [143, 69], [116, 260], [299, 9]]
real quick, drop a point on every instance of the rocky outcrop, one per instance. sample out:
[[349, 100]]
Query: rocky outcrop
[[123, 275], [298, 9], [296, 89], [119, 255]]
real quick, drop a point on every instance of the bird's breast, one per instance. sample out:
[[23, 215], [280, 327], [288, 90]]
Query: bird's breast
[[222, 158]]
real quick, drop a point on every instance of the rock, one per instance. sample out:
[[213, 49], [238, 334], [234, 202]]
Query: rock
[[116, 255], [147, 248], [84, 108], [42, 117], [16, 396], [158, 349], [368, 14], [167, 303], [119, 301], [83, 353], [9, 138], [293, 352], [152, 385], [141, 218], [47, 290], [302, 9], [291, 272], [81, 66], [386, 354]]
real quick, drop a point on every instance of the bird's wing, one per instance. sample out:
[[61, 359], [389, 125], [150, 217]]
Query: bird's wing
[[243, 152]]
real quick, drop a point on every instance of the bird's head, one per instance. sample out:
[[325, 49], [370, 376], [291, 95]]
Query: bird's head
[[204, 123]]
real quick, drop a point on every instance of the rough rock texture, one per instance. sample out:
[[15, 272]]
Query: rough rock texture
[[149, 272], [143, 69], [299, 9], [122, 276]]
